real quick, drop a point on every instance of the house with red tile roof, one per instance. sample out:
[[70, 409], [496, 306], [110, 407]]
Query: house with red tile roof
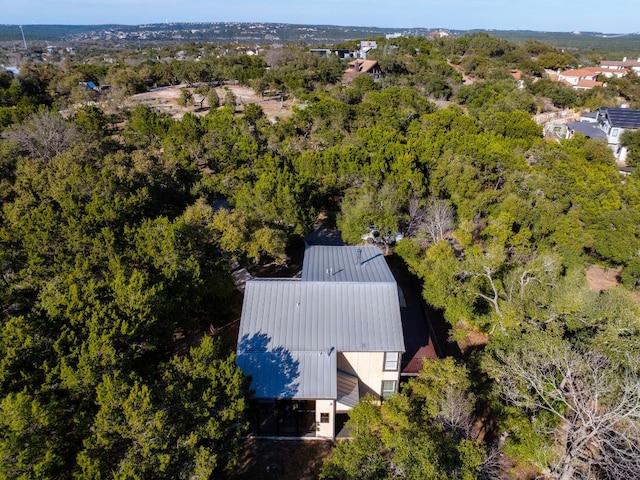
[[582, 78]]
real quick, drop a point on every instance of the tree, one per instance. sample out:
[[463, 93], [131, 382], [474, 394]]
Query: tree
[[30, 442], [422, 432], [438, 220], [205, 397], [44, 135], [230, 99], [592, 404], [631, 274], [186, 97], [189, 425], [631, 140], [212, 98]]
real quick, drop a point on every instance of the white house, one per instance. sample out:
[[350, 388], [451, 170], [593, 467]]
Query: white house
[[613, 122], [582, 78], [313, 346], [620, 68]]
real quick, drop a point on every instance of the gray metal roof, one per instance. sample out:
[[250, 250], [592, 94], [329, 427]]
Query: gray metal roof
[[315, 316], [348, 389], [284, 374], [291, 332], [622, 117], [345, 264]]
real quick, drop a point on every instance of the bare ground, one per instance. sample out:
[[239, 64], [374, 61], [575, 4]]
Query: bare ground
[[600, 278], [165, 99], [282, 459]]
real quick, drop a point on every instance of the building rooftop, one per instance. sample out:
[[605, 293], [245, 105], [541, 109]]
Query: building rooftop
[[292, 330], [316, 316], [588, 129], [345, 264], [621, 117], [624, 63]]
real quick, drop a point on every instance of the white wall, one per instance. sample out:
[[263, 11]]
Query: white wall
[[369, 367], [325, 430]]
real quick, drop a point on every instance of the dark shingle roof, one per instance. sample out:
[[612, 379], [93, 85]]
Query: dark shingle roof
[[587, 129]]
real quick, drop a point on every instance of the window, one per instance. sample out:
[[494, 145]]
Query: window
[[390, 361], [324, 418], [615, 132], [388, 388]]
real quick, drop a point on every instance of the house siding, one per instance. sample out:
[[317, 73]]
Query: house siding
[[325, 430], [369, 368]]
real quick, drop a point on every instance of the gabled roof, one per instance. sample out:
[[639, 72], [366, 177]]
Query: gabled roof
[[292, 330], [316, 316], [582, 72], [584, 83], [621, 117], [286, 374], [345, 264], [362, 66]]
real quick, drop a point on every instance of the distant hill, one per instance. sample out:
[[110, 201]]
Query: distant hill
[[269, 33], [209, 32]]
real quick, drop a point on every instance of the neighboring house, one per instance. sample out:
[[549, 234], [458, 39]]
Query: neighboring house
[[313, 346], [340, 52], [581, 79], [588, 129], [620, 68], [613, 122], [360, 67]]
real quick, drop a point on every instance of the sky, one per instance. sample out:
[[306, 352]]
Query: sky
[[619, 16]]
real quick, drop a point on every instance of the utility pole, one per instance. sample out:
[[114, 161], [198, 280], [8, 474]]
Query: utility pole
[[23, 39]]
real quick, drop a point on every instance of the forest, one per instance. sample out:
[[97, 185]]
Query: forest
[[115, 260]]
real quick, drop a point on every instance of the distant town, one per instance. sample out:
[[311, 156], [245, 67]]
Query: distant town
[[273, 33]]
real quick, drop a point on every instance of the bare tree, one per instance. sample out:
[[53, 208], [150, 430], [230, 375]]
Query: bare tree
[[417, 214], [439, 219], [597, 407], [44, 135]]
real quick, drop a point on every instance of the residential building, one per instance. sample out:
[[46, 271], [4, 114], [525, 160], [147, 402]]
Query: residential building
[[587, 129], [361, 67], [314, 345], [581, 79], [620, 68], [613, 122]]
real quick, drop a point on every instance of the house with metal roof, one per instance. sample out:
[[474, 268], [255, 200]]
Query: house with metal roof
[[613, 122], [314, 345]]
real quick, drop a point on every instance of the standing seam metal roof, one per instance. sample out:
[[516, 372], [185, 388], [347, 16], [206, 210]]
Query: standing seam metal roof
[[315, 316], [291, 331], [345, 264]]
